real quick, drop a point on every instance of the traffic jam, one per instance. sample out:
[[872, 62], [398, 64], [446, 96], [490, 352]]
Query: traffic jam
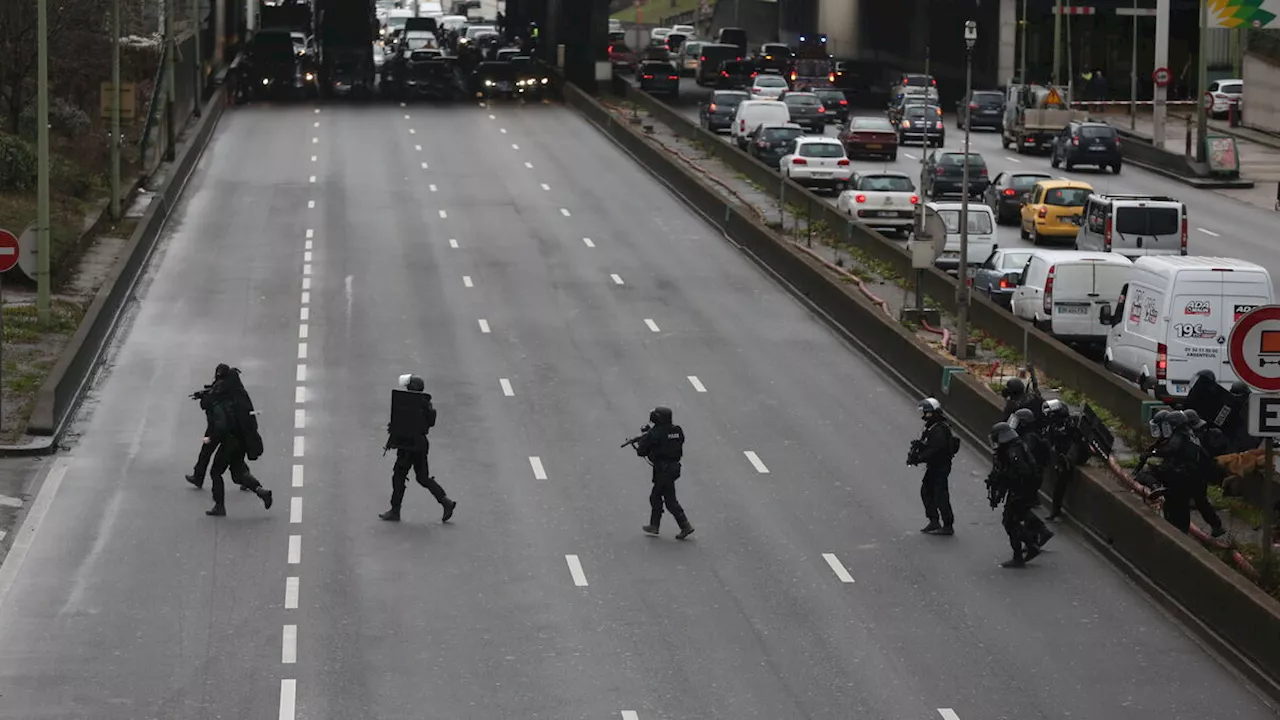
[[1108, 271]]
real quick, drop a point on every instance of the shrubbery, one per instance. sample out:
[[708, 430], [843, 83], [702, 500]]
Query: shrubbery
[[18, 165]]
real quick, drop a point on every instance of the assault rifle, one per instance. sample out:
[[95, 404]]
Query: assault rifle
[[632, 442]]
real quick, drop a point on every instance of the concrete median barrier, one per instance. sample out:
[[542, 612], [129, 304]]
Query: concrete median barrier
[[62, 391], [1225, 609], [1120, 398]]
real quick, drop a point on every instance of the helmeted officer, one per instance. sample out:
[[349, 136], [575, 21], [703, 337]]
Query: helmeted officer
[[663, 446], [1211, 441], [934, 449], [233, 429], [1017, 396], [1068, 449], [411, 452], [1025, 423], [1181, 459], [1011, 481]]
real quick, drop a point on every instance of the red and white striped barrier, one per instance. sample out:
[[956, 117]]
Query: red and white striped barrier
[[1076, 10], [1126, 103]]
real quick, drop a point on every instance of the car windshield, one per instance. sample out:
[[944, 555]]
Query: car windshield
[[657, 68], [871, 123], [916, 111], [1067, 197], [770, 81], [822, 150], [419, 42], [782, 134], [988, 98], [886, 183], [1026, 182], [1147, 221], [978, 222], [831, 97], [794, 99], [1014, 261]]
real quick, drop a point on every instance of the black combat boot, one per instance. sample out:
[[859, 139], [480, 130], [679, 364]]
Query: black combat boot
[[945, 530], [449, 505], [651, 529], [931, 528], [392, 515], [1032, 552], [197, 482], [1045, 536], [265, 495], [216, 511], [1016, 561], [685, 529]]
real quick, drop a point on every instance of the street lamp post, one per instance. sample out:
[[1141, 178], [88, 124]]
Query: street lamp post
[[43, 223], [962, 288]]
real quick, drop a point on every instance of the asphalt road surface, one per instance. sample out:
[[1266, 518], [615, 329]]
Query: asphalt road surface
[[1218, 224], [550, 293]]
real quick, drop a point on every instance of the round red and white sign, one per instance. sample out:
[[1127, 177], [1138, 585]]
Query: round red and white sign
[[1161, 77], [1254, 348]]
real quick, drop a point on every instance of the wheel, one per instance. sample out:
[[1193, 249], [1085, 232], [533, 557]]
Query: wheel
[[1053, 159], [1022, 232], [1004, 140], [1116, 168], [1070, 166], [1035, 237]]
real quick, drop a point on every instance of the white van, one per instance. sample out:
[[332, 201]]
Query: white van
[[1173, 318], [1133, 225], [1061, 291], [753, 112], [982, 235]]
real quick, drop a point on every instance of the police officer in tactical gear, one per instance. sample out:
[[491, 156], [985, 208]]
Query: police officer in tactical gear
[[1211, 441], [934, 449], [663, 446], [1012, 480], [233, 429], [1024, 422], [1181, 459], [1068, 448], [1017, 395], [207, 445], [411, 448]]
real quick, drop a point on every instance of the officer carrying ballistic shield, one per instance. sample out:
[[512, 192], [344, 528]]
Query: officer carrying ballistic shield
[[412, 417]]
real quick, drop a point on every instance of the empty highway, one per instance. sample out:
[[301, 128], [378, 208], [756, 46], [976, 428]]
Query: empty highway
[[550, 293]]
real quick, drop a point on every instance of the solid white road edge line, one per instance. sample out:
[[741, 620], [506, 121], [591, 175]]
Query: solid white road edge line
[[536, 463], [289, 651], [26, 536], [575, 569], [291, 593], [837, 567], [755, 461]]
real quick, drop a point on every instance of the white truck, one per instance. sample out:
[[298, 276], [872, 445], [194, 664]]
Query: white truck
[[1034, 115]]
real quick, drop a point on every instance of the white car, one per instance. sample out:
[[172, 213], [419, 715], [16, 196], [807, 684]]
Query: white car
[[768, 87], [884, 200], [683, 29], [659, 34], [817, 162], [1224, 92]]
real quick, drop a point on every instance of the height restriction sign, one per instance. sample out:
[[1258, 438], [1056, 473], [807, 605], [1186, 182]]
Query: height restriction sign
[[1254, 348]]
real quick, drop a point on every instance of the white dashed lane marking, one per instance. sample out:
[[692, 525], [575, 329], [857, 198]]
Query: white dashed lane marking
[[302, 350], [295, 510], [289, 651], [630, 715], [1010, 158], [297, 475], [493, 117], [755, 462], [311, 204], [291, 593], [948, 714], [535, 462], [288, 699], [909, 156], [529, 165], [506, 387], [1208, 232], [502, 130], [432, 188], [306, 297], [314, 158], [546, 186], [588, 243], [302, 372], [417, 148], [298, 445], [306, 256], [575, 569], [424, 166], [302, 330], [311, 233], [564, 212], [697, 384], [300, 394], [444, 214], [652, 325], [311, 179], [306, 268], [295, 549], [616, 279], [412, 131], [514, 146], [306, 283], [466, 280], [453, 243], [837, 567], [315, 141], [484, 325], [299, 419]]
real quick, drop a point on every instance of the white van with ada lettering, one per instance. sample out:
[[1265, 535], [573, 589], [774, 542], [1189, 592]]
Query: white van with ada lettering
[[1173, 318]]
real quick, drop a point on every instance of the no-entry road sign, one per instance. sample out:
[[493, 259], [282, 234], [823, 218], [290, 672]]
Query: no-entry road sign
[[1254, 348], [8, 250]]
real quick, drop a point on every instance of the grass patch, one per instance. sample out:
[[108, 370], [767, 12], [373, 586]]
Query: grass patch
[[654, 11], [22, 322]]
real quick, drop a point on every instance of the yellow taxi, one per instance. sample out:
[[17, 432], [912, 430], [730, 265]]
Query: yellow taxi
[[1051, 209]]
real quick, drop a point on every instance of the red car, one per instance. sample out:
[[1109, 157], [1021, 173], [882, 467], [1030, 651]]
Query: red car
[[869, 137], [623, 58]]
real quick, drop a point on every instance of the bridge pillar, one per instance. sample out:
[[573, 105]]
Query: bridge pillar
[[841, 20], [582, 26], [1006, 64]]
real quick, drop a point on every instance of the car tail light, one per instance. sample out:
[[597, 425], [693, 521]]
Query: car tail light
[[1184, 236], [1010, 192], [906, 124], [915, 199], [711, 107], [673, 77], [799, 161], [973, 106], [646, 77], [935, 82], [982, 172], [702, 58], [1005, 284], [1106, 236], [939, 171], [831, 77], [755, 90], [821, 109], [1048, 291], [1031, 140], [939, 125], [842, 162], [861, 198], [1044, 212], [1162, 362], [793, 76], [1075, 140], [753, 74], [611, 51], [844, 102], [1117, 142], [742, 126], [724, 73]]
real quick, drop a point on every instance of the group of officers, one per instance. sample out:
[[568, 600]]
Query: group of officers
[[1041, 439]]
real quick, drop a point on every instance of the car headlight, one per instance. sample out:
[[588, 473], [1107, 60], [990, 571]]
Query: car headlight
[[266, 81], [310, 77], [544, 80], [488, 83]]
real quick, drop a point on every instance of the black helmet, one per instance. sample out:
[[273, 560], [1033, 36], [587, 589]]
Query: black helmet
[[1194, 419], [221, 371], [1022, 420], [929, 407], [1206, 374], [1014, 387], [1176, 419], [1239, 389], [415, 384], [1156, 421], [660, 415], [1002, 433]]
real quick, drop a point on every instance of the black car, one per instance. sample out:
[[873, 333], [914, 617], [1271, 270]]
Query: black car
[[430, 75], [922, 124], [718, 114], [771, 141], [491, 79], [944, 174], [806, 110], [272, 69], [898, 108], [1004, 194], [835, 106], [531, 82], [659, 78], [1087, 143], [736, 75], [984, 110]]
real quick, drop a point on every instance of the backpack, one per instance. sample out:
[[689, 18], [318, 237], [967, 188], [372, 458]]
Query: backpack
[[247, 422], [955, 445], [429, 414]]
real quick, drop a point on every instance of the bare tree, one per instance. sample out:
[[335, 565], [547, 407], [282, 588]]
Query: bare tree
[[18, 43]]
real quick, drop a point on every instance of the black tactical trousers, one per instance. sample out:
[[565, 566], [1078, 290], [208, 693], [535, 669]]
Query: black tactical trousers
[[202, 462], [664, 494], [1014, 520], [230, 454], [1061, 479], [1200, 496], [935, 493], [1177, 505], [416, 459]]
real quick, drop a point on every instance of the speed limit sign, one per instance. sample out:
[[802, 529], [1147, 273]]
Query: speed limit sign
[[1208, 101], [1161, 77]]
